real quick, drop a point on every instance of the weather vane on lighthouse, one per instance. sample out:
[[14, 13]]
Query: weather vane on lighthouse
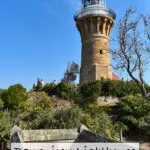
[[94, 22]]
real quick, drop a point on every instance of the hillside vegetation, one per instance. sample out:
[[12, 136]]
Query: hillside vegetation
[[62, 105]]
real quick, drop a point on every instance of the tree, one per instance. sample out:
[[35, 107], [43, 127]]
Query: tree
[[5, 125], [38, 86], [146, 20], [132, 54], [1, 91], [14, 96], [70, 75], [71, 72], [1, 105]]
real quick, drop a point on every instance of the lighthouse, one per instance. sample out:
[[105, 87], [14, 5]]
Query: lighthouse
[[94, 22]]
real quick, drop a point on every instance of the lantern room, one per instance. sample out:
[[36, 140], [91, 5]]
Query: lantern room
[[87, 3]]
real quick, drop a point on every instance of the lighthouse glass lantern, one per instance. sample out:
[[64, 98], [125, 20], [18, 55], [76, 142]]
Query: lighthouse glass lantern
[[87, 3]]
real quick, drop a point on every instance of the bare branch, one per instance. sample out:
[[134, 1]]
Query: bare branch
[[131, 54]]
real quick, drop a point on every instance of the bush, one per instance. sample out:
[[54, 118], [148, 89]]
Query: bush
[[68, 118], [144, 125], [97, 121], [50, 89], [135, 112], [101, 124], [39, 118], [63, 90], [1, 105], [14, 96], [118, 88], [5, 124], [39, 99], [33, 112], [34, 118], [90, 92], [147, 88], [1, 91]]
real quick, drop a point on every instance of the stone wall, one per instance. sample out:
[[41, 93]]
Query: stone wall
[[18, 135], [95, 59]]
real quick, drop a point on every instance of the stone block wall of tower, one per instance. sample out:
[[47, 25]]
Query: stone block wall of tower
[[95, 60], [95, 31]]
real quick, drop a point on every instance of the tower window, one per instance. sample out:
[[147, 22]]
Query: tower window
[[101, 51]]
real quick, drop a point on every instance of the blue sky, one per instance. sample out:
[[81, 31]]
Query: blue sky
[[39, 37]]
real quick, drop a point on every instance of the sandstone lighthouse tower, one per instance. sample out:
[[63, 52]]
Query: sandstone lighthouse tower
[[94, 22]]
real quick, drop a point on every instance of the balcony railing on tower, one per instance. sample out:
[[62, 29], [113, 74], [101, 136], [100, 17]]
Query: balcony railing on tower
[[94, 7]]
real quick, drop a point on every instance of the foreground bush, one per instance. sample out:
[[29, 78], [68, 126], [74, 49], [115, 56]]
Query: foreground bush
[[98, 121], [135, 113], [67, 118], [72, 117], [35, 110]]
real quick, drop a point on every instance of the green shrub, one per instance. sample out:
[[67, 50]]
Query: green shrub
[[135, 112], [34, 118], [118, 88], [14, 96], [101, 124], [147, 88], [97, 121], [144, 125], [5, 124], [50, 89], [39, 118], [63, 90], [35, 111], [90, 92], [1, 104], [68, 118], [40, 99], [1, 91]]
